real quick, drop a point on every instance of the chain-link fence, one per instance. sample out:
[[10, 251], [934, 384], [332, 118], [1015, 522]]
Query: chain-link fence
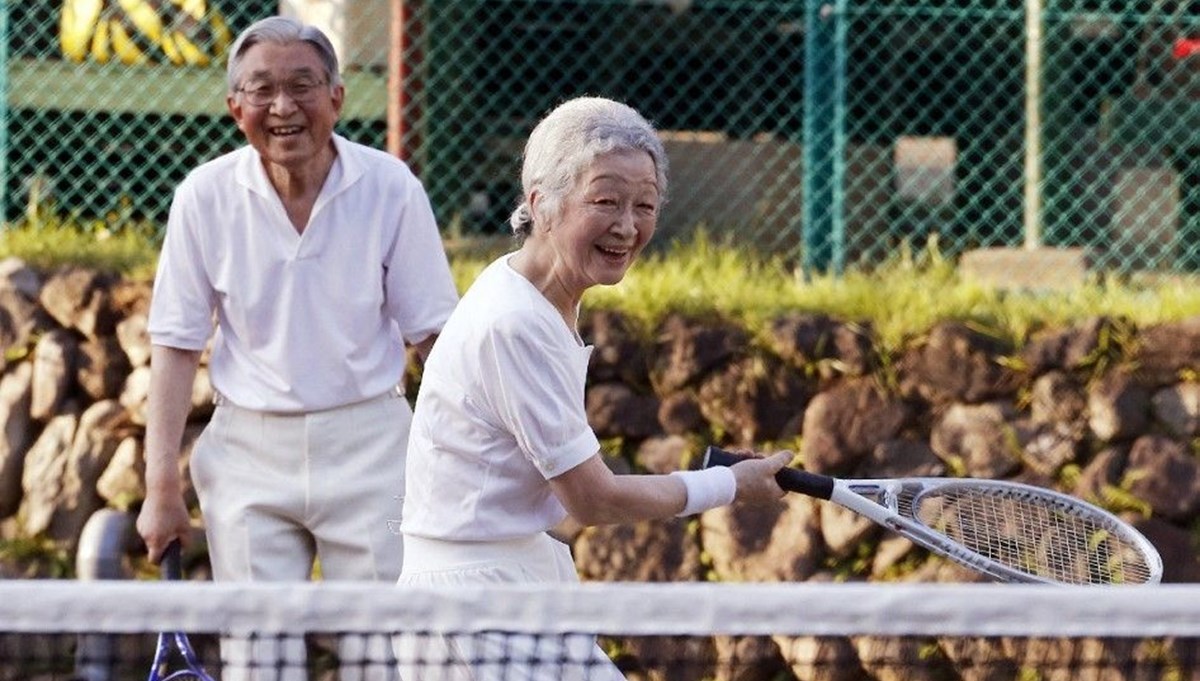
[[960, 121], [827, 132], [102, 119]]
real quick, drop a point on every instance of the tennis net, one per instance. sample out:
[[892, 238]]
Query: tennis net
[[686, 631]]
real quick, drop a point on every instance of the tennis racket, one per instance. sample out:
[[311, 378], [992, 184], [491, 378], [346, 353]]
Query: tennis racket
[[175, 642], [1009, 531]]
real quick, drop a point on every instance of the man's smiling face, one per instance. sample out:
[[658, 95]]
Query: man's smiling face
[[285, 132]]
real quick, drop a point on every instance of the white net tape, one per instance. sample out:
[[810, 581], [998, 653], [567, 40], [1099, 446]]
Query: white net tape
[[816, 609]]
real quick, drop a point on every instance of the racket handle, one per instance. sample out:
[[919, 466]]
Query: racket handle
[[790, 479], [172, 564]]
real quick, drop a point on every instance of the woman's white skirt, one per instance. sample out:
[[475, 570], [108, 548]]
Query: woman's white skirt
[[495, 656]]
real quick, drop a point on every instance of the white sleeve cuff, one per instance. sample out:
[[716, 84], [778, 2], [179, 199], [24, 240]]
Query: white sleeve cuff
[[708, 488]]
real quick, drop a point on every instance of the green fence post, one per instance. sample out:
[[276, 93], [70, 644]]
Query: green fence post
[[823, 231], [3, 111]]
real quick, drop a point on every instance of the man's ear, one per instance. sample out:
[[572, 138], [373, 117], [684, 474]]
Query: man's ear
[[236, 110], [339, 98]]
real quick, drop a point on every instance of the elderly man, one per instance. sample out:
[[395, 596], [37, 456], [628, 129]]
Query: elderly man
[[320, 260]]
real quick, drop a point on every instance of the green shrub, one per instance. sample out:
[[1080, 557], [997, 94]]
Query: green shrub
[[901, 299], [46, 240], [702, 278]]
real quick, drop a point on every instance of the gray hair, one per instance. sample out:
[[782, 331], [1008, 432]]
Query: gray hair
[[568, 139], [282, 31]]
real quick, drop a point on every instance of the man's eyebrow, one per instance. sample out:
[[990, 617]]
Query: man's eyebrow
[[264, 74]]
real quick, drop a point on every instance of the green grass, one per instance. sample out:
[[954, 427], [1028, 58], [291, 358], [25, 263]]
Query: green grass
[[46, 241], [35, 557], [901, 299]]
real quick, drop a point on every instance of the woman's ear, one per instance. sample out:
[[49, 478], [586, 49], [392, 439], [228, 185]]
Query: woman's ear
[[534, 201]]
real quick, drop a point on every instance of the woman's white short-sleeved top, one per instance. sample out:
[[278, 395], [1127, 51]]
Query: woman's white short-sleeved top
[[499, 413]]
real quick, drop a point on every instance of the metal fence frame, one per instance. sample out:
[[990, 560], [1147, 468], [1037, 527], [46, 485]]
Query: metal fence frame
[[459, 103]]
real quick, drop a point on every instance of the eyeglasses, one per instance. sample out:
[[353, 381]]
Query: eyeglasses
[[264, 94]]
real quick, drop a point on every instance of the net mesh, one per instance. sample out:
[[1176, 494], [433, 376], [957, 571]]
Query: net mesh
[[859, 631]]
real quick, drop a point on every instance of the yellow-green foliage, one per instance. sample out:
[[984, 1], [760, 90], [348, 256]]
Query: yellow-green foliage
[[46, 240], [703, 278], [901, 298], [35, 557]]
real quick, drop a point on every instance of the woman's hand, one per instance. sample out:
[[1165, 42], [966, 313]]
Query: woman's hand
[[756, 477]]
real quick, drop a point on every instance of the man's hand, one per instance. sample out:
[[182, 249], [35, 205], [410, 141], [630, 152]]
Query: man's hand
[[164, 518]]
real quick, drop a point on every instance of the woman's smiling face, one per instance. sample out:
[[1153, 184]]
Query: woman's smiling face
[[605, 220]]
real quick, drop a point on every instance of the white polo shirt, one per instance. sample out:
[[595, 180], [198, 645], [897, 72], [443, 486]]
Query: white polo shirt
[[308, 321], [500, 412]]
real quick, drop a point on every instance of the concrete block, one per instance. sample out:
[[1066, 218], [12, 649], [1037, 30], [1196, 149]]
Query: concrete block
[[1026, 268], [358, 29]]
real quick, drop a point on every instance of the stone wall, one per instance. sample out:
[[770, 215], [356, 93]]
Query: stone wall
[[1101, 410]]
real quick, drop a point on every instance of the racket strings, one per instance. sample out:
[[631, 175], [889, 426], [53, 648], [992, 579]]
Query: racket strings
[[1040, 536]]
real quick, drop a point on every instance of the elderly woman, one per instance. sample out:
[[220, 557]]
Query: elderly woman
[[500, 449]]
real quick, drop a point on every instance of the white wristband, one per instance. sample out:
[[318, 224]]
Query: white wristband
[[708, 488]]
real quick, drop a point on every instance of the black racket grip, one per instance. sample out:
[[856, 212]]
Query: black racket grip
[[172, 563], [790, 479]]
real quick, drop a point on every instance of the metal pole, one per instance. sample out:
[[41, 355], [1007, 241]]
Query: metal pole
[[840, 57], [822, 231], [101, 555], [403, 85], [1033, 124], [3, 112], [395, 82]]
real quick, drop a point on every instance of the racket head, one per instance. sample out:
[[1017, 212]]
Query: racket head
[[187, 675], [176, 642], [162, 650], [1015, 532]]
